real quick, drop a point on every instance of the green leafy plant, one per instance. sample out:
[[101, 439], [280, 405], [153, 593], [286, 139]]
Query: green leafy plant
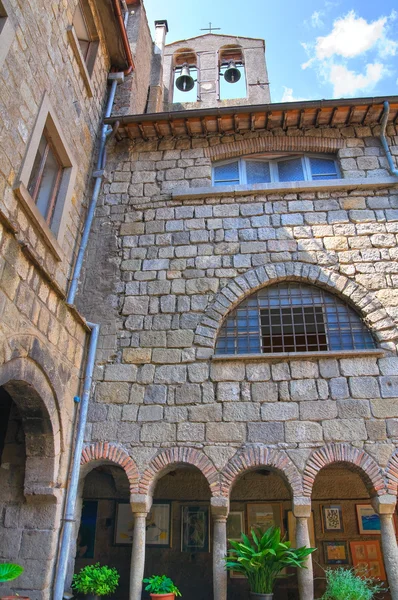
[[97, 580], [345, 584], [264, 557], [161, 584], [9, 571]]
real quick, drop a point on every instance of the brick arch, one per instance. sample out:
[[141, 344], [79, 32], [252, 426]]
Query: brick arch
[[165, 460], [359, 460], [361, 299], [391, 473], [94, 455], [261, 456]]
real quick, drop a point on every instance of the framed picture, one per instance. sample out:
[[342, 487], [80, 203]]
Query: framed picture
[[195, 530], [235, 524], [368, 520], [291, 528], [124, 524], [263, 515], [336, 553], [332, 518], [158, 532], [88, 524], [367, 559]]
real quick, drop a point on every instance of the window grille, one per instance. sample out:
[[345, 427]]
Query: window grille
[[261, 170], [292, 317]]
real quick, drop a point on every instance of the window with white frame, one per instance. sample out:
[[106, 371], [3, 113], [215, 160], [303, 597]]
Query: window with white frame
[[305, 167]]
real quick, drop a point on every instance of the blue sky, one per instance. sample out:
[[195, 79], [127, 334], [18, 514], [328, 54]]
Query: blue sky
[[314, 49]]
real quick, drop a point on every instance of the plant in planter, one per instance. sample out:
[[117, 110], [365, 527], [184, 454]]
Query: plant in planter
[[9, 572], [262, 559], [345, 584], [161, 587], [93, 581]]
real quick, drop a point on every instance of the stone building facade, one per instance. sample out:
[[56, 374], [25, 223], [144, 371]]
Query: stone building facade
[[176, 248]]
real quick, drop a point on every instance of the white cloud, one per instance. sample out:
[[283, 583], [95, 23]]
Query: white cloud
[[350, 36], [288, 95], [349, 83], [316, 19]]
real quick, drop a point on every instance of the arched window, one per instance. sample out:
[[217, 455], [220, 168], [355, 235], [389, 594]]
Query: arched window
[[292, 317], [185, 66], [230, 60]]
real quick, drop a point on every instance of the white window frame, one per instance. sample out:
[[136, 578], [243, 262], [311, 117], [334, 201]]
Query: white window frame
[[7, 31], [53, 237], [273, 166]]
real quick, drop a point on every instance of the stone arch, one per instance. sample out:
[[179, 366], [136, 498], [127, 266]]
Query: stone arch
[[99, 453], [165, 460], [392, 474], [37, 404], [357, 459], [361, 299], [261, 456]]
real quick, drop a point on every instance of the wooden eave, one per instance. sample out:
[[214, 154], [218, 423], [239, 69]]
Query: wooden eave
[[265, 117]]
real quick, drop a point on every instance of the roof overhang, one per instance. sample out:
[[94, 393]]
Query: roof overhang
[[113, 37], [312, 114]]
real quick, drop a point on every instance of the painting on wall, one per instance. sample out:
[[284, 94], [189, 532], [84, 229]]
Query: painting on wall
[[336, 553], [235, 525], [124, 524], [367, 559], [368, 520], [158, 532], [88, 524], [264, 515], [332, 518], [291, 529], [195, 536]]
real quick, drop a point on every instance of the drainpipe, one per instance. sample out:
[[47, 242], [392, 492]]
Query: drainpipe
[[69, 513], [391, 166], [98, 174], [125, 40]]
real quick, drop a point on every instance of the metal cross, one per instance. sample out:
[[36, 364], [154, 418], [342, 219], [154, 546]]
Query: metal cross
[[210, 28]]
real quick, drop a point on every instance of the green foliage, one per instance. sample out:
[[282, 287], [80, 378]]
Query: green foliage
[[344, 584], [161, 584], [262, 559], [9, 571], [97, 580]]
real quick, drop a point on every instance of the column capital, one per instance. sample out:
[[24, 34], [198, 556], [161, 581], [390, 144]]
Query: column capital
[[219, 507], [301, 507], [384, 505], [140, 503]]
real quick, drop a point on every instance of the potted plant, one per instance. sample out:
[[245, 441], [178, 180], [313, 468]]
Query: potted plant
[[9, 572], [345, 584], [263, 558], [161, 587], [94, 581]]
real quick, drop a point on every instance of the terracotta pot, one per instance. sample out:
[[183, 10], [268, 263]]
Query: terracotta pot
[[254, 596], [162, 596]]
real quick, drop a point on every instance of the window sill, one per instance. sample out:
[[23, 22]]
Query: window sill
[[377, 352], [291, 186], [40, 225], [74, 42]]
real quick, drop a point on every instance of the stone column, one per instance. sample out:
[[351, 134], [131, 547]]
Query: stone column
[[305, 576], [219, 510], [140, 506], [385, 507]]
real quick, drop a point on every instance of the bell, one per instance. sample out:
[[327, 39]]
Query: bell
[[232, 74], [185, 82]]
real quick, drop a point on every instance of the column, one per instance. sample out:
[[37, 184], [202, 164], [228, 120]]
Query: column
[[385, 507], [305, 576], [219, 510], [140, 506]]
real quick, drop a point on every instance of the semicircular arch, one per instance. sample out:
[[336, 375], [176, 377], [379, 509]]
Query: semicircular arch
[[100, 453]]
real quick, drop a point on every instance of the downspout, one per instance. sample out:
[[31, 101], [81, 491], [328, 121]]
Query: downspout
[[125, 41], [98, 174], [69, 512], [70, 504], [391, 166]]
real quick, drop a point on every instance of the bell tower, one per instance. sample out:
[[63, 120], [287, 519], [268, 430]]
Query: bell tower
[[212, 70]]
